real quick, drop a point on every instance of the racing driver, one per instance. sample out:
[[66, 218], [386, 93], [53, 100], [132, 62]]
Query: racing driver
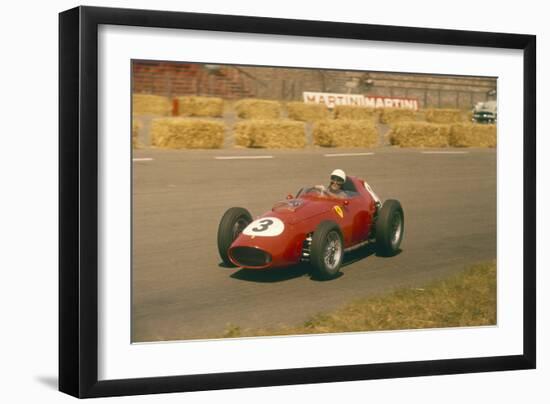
[[335, 188], [337, 179]]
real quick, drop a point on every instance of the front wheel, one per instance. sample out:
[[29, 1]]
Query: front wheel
[[327, 250], [390, 225], [233, 222]]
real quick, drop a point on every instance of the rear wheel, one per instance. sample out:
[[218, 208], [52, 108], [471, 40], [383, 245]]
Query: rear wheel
[[327, 250], [233, 222], [390, 225]]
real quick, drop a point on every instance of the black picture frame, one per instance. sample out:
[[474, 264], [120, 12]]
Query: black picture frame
[[78, 201]]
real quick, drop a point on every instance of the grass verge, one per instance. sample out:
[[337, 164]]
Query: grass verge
[[466, 299]]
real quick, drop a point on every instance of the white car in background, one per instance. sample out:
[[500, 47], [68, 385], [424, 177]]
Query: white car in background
[[485, 112]]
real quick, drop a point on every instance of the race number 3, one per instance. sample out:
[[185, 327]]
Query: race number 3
[[265, 227]]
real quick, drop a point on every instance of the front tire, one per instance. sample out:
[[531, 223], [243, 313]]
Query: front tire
[[390, 225], [327, 250], [233, 222]]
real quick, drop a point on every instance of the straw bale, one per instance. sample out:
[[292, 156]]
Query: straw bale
[[270, 133], [345, 133], [136, 127], [200, 106], [301, 111], [419, 134], [473, 135], [393, 115], [420, 115], [439, 115], [148, 104], [352, 112], [251, 108], [182, 133]]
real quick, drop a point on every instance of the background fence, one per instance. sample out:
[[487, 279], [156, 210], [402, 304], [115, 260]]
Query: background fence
[[287, 84]]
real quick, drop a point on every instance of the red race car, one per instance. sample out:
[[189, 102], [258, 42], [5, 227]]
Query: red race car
[[315, 226]]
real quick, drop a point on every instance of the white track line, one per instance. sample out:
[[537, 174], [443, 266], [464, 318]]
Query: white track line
[[142, 159], [445, 152], [242, 157], [347, 154]]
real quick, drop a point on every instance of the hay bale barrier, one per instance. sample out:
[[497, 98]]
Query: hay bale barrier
[[136, 127], [200, 106], [345, 133], [356, 113], [439, 115], [420, 115], [270, 133], [394, 115], [419, 134], [186, 133], [148, 104], [251, 108], [473, 135], [301, 111]]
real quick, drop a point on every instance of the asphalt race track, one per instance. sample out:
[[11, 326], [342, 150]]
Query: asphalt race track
[[181, 290]]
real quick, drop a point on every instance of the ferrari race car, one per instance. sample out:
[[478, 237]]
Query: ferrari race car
[[314, 226]]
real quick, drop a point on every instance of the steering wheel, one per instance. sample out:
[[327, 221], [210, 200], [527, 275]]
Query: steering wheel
[[320, 191]]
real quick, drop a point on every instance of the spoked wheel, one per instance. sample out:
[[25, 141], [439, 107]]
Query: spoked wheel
[[327, 250], [396, 229], [390, 225], [333, 251], [233, 222]]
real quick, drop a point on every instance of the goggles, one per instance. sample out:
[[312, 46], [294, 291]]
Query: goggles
[[338, 180]]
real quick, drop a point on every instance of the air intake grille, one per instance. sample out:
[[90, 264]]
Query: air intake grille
[[250, 257]]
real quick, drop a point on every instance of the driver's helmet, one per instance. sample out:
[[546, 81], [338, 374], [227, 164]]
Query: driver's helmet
[[338, 175]]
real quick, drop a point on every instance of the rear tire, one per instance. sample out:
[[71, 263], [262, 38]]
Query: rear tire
[[390, 225], [233, 222], [327, 250]]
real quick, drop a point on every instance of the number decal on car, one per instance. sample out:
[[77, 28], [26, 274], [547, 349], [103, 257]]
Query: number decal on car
[[265, 227]]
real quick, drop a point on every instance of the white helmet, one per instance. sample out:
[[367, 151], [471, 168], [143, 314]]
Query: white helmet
[[339, 173]]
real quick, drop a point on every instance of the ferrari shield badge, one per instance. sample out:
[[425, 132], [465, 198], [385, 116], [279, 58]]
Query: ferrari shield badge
[[339, 211]]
